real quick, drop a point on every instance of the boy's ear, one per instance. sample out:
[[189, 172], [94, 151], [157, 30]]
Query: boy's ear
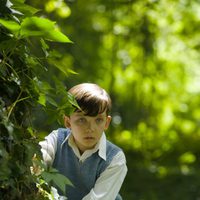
[[67, 122], [108, 120]]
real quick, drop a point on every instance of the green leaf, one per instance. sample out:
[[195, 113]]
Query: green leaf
[[27, 10], [51, 101], [44, 44], [42, 99], [72, 100], [57, 36], [10, 25], [60, 180], [60, 64], [35, 26], [45, 47]]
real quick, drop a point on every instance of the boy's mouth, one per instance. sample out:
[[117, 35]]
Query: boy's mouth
[[89, 138]]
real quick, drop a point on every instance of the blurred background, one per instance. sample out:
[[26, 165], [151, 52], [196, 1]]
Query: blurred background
[[145, 53]]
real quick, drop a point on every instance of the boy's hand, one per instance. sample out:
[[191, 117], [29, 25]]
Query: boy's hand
[[36, 169]]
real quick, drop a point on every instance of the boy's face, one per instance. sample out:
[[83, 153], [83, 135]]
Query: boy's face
[[87, 130]]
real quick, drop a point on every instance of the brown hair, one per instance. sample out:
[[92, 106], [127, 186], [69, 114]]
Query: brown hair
[[91, 98]]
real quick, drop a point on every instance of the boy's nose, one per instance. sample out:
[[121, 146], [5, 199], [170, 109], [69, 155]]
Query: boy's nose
[[90, 127]]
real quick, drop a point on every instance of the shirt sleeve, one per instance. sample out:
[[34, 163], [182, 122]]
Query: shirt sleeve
[[49, 147], [110, 181]]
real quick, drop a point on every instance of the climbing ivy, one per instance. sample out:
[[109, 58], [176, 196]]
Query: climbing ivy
[[21, 89]]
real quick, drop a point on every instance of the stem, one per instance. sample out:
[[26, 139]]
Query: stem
[[12, 69], [14, 104]]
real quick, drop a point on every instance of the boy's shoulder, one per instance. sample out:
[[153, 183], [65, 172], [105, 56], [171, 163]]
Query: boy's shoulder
[[113, 152], [62, 133], [112, 148]]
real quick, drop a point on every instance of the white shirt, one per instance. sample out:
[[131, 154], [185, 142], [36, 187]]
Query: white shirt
[[107, 186]]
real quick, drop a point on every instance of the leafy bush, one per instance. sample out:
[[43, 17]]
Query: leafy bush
[[22, 88]]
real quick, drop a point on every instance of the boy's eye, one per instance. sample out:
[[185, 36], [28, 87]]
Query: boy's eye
[[99, 120], [81, 120]]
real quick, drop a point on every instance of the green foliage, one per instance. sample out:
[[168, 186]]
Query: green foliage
[[46, 178], [22, 87], [44, 28], [53, 176]]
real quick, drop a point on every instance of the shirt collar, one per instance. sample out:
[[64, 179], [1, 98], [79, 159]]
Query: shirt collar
[[100, 146]]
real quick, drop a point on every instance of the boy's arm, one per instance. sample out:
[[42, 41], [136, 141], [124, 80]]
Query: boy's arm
[[49, 147], [110, 181]]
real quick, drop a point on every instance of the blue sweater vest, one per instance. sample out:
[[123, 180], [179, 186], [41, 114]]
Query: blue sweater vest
[[82, 175]]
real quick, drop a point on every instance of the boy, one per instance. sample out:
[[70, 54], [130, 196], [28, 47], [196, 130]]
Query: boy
[[95, 166]]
